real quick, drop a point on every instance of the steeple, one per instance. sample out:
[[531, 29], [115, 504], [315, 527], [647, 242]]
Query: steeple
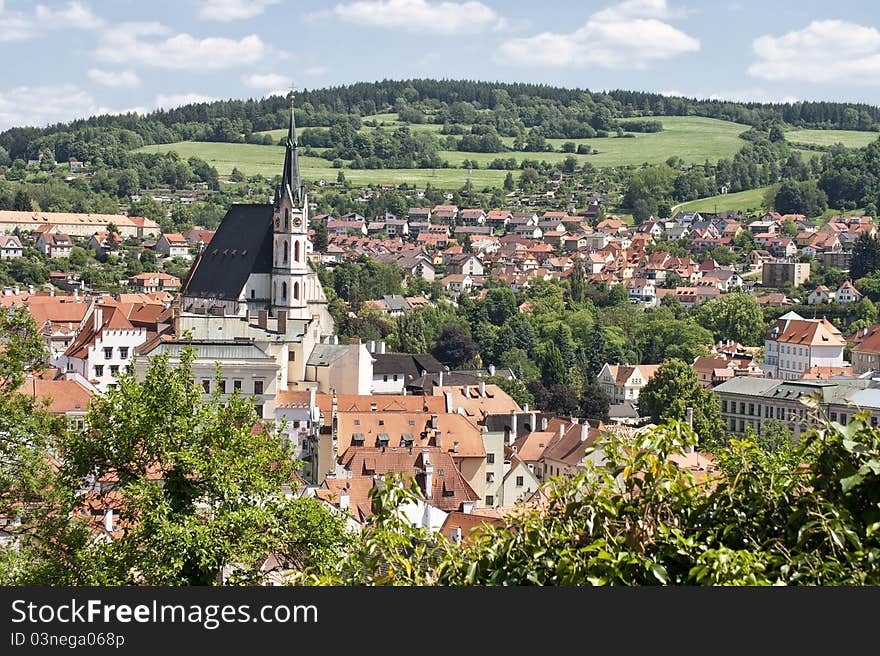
[[290, 180]]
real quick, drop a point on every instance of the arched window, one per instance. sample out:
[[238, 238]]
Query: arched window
[[284, 291], [296, 290], [286, 221], [296, 251], [285, 252]]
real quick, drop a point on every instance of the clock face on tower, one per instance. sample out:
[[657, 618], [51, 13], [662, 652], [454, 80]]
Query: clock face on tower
[[297, 222]]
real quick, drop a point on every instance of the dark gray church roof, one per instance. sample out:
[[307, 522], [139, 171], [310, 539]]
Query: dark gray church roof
[[241, 246]]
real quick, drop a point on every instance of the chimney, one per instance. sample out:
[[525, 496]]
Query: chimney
[[371, 346], [263, 319], [98, 317], [455, 446], [448, 397], [344, 500], [312, 394], [585, 432], [380, 346], [543, 423], [433, 422], [429, 474], [561, 431], [482, 388], [467, 391], [108, 520], [513, 418], [525, 407], [31, 290], [491, 369], [440, 381], [282, 322], [456, 535]]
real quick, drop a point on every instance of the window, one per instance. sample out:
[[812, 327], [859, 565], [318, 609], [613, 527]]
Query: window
[[222, 386], [296, 251], [357, 422], [253, 293], [490, 500], [69, 365], [519, 481], [490, 477], [395, 377], [258, 387], [284, 259], [259, 411], [114, 369], [751, 408], [99, 370], [284, 291], [123, 352], [108, 352], [236, 384], [385, 378], [206, 385], [490, 458]]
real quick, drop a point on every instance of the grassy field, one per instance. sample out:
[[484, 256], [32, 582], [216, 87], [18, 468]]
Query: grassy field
[[742, 201], [694, 139], [267, 160], [849, 138]]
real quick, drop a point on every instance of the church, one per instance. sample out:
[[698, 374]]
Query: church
[[258, 258], [252, 304]]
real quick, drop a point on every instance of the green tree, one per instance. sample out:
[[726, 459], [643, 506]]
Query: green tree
[[865, 257], [675, 387], [455, 347], [598, 354], [576, 281], [595, 402], [411, 333], [320, 238], [553, 368], [734, 316], [509, 182], [220, 505], [500, 305]]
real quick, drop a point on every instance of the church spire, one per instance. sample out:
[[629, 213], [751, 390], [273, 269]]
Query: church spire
[[290, 180]]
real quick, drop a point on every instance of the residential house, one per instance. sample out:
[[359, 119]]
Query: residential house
[[623, 383], [847, 293], [793, 345], [820, 295], [466, 263], [64, 397], [866, 350], [173, 245], [393, 371], [419, 215], [105, 345], [340, 368], [498, 218], [10, 247], [198, 238], [445, 213], [476, 217], [54, 244], [779, 274], [154, 282], [414, 262], [104, 243], [456, 283]]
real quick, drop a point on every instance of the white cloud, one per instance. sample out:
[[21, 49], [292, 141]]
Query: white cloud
[[74, 14], [42, 105], [114, 79], [824, 51], [21, 26], [176, 100], [315, 71], [265, 81], [421, 16], [232, 10], [181, 51], [630, 34]]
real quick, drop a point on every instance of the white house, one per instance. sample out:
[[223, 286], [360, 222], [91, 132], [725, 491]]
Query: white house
[[173, 245], [623, 383], [794, 345], [847, 293], [54, 244], [820, 296], [10, 247], [104, 347]]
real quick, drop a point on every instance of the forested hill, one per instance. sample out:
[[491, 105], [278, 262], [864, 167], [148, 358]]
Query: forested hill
[[561, 113]]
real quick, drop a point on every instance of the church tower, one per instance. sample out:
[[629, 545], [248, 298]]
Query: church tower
[[291, 279]]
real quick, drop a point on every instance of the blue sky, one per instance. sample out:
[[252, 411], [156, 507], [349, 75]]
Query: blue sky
[[63, 59]]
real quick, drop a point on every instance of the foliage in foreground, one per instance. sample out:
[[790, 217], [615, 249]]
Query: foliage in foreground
[[642, 520]]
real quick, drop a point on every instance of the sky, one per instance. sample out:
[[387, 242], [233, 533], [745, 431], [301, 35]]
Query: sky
[[63, 59]]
